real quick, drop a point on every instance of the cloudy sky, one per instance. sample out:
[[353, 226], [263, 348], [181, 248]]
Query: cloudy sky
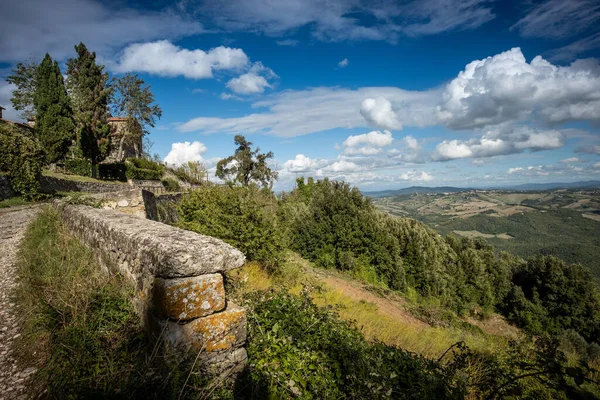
[[384, 94]]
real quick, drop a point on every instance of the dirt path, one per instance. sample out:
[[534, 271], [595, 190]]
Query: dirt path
[[13, 377]]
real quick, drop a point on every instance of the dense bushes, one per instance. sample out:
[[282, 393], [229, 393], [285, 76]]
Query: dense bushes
[[22, 157], [139, 168], [113, 171], [242, 216], [171, 185], [78, 166], [297, 350]]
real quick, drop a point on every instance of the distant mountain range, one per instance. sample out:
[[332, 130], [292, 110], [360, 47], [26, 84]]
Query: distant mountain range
[[451, 189]]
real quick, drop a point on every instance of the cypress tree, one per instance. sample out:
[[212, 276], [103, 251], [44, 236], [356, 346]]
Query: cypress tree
[[54, 116], [91, 93]]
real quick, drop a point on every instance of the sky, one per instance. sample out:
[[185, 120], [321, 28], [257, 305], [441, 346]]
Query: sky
[[382, 94]]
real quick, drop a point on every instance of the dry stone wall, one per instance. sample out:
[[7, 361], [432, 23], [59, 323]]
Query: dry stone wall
[[50, 185], [179, 281]]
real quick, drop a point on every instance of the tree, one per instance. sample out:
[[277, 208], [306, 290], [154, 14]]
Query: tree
[[246, 166], [133, 99], [87, 82], [24, 79], [54, 116]]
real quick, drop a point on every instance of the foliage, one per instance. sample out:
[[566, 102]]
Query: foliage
[[246, 166], [299, 350], [78, 166], [241, 216], [112, 171], [54, 117], [22, 157], [133, 100], [87, 83], [24, 78], [81, 324], [140, 168], [551, 296], [171, 185], [192, 172]]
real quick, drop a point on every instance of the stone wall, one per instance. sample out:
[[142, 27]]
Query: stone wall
[[5, 189], [50, 185], [161, 208], [179, 281]]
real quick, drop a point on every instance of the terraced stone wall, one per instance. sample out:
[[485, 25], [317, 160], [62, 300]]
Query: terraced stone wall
[[178, 275]]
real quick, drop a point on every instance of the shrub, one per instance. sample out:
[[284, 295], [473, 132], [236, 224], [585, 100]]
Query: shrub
[[139, 168], [113, 171], [241, 216], [171, 185], [298, 350], [78, 166], [192, 172], [22, 157]]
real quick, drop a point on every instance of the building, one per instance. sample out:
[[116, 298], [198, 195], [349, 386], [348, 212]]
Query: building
[[122, 145], [1, 108]]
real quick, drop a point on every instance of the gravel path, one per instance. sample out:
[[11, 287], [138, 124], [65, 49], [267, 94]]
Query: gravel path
[[13, 376]]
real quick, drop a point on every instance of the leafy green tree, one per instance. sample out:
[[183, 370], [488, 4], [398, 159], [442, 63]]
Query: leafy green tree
[[24, 78], [87, 82], [54, 118], [134, 100], [246, 166]]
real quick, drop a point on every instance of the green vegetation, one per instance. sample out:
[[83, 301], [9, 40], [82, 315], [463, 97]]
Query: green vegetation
[[22, 158], [78, 166], [140, 168], [13, 201], [171, 185], [246, 166], [192, 172], [54, 117], [23, 77]]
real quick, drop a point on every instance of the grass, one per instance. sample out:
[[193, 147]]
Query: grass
[[81, 330], [386, 319], [13, 201], [79, 178]]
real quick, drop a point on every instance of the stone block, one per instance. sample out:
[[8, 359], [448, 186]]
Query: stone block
[[189, 298], [213, 333]]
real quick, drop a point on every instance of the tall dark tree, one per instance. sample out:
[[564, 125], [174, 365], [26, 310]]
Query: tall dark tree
[[134, 100], [90, 92], [246, 166], [54, 117], [23, 78]]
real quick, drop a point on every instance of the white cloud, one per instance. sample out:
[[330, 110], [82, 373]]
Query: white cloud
[[416, 176], [343, 63], [576, 48], [183, 152], [368, 143], [34, 27], [556, 170], [558, 18], [287, 42], [494, 143], [506, 88], [378, 112], [340, 166], [165, 59], [252, 82], [572, 160], [301, 163]]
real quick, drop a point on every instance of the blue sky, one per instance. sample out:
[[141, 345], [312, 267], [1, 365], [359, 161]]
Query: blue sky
[[384, 94]]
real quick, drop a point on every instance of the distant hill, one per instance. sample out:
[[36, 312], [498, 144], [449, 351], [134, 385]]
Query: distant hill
[[415, 189], [556, 185]]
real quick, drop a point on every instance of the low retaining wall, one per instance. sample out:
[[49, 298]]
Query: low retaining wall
[[161, 207], [179, 279], [5, 189], [50, 185]]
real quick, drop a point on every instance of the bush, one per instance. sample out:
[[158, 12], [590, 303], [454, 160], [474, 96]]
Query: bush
[[78, 166], [297, 350], [22, 157], [241, 216], [171, 185], [114, 171], [139, 168]]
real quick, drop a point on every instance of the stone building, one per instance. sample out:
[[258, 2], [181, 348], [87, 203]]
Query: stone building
[[123, 144]]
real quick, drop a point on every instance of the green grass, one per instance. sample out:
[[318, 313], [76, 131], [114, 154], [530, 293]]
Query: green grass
[[81, 328], [13, 201], [79, 178]]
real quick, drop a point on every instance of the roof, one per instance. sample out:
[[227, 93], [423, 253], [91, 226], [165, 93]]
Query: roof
[[114, 119], [2, 108]]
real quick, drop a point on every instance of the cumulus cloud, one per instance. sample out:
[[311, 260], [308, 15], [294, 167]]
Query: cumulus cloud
[[303, 164], [253, 81], [557, 170], [182, 152], [416, 176], [340, 166], [368, 143], [343, 63], [506, 88], [589, 149], [572, 160], [378, 112], [34, 27], [495, 143], [165, 59]]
